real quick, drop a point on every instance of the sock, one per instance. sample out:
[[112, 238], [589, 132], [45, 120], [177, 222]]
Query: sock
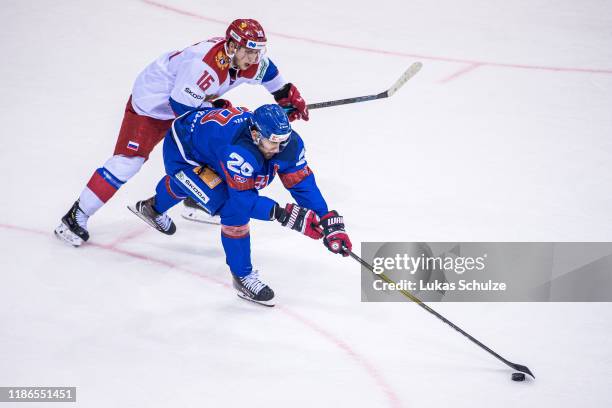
[[236, 242], [101, 187], [168, 194]]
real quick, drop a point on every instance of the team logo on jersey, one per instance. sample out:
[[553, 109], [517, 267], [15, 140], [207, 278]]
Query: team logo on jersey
[[133, 146], [222, 60], [239, 179], [261, 181]]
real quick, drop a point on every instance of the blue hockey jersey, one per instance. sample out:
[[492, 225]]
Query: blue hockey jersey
[[221, 139]]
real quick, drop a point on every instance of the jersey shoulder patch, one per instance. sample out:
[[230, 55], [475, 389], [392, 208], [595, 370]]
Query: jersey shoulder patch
[[290, 156], [218, 60]]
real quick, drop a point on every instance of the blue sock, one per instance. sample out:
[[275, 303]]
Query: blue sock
[[237, 245], [168, 194]]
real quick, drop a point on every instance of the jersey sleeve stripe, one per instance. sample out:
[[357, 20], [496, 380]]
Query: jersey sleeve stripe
[[291, 179]]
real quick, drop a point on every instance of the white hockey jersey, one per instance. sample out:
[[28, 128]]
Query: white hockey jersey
[[194, 77]]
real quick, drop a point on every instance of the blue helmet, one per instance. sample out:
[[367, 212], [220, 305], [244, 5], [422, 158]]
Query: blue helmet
[[272, 123]]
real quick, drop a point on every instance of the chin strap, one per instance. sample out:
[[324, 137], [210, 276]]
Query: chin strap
[[231, 56], [254, 127], [226, 48]]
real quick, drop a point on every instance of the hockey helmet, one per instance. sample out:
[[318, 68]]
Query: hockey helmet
[[247, 33], [272, 123]]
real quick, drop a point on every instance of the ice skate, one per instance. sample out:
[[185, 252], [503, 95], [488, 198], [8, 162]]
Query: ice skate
[[161, 222], [73, 228], [193, 212], [251, 288]]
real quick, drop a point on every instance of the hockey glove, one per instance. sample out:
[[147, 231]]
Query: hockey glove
[[336, 238], [222, 104], [298, 219], [289, 97]]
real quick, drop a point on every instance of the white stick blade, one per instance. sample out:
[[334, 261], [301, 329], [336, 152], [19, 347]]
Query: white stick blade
[[410, 72]]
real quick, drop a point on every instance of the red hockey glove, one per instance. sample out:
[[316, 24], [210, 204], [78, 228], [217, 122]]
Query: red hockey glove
[[289, 97], [336, 237], [298, 219], [222, 104]]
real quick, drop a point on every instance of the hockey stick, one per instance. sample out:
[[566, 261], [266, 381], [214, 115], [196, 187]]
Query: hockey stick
[[410, 72], [517, 367]]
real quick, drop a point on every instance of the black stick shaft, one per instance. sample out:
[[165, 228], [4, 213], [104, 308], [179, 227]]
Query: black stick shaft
[[439, 316], [346, 101]]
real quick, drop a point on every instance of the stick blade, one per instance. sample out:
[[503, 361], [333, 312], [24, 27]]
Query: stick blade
[[410, 72], [522, 369]]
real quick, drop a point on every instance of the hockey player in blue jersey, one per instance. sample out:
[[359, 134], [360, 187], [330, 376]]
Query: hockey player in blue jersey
[[222, 158]]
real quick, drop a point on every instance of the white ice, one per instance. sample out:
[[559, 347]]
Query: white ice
[[503, 136]]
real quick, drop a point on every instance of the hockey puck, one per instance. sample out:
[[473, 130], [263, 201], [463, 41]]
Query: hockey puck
[[518, 377]]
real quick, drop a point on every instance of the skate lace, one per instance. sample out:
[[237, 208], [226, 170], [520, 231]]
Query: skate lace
[[163, 221], [81, 218], [252, 282]]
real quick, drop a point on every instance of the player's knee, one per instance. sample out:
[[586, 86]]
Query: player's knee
[[235, 231], [124, 167]]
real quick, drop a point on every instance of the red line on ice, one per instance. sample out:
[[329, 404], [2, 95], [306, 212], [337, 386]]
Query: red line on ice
[[129, 236], [473, 63], [457, 74], [392, 397]]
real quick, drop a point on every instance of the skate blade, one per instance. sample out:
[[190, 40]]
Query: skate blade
[[142, 217], [267, 303], [151, 223], [139, 215], [63, 233], [204, 218]]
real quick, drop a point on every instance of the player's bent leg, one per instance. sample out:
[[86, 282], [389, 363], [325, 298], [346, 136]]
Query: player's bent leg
[[106, 180], [102, 185], [236, 240], [171, 190], [137, 137]]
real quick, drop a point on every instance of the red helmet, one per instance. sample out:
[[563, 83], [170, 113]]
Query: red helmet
[[247, 33]]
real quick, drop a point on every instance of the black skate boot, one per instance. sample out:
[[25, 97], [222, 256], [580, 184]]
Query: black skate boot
[[73, 229], [192, 211], [161, 222], [251, 288]]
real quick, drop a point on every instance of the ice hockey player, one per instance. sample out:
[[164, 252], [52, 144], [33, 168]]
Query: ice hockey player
[[222, 158], [171, 85]]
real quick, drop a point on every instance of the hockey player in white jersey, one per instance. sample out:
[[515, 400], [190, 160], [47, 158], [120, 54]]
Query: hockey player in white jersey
[[176, 82]]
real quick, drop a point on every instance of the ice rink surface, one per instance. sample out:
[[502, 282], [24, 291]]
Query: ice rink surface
[[505, 135]]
